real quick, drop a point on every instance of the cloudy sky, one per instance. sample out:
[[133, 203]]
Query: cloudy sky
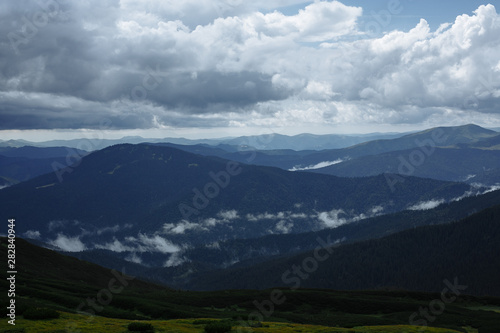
[[213, 68]]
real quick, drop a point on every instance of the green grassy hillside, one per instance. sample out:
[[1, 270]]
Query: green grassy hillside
[[46, 279]]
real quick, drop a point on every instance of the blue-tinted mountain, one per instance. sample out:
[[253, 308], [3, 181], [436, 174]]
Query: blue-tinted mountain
[[24, 163], [467, 136], [463, 253], [264, 142], [165, 197], [238, 253], [452, 164], [40, 152]]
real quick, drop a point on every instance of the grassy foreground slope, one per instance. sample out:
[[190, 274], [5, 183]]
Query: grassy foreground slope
[[78, 323], [78, 289]]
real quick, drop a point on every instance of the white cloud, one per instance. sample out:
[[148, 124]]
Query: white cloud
[[337, 217], [115, 246], [69, 244], [284, 227], [33, 234], [175, 259], [275, 216], [141, 244], [332, 218], [317, 166], [492, 189], [156, 243], [228, 215], [477, 189], [376, 210], [317, 22], [133, 257], [244, 63], [183, 226], [426, 205]]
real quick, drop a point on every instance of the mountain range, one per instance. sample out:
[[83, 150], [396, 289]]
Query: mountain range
[[146, 192], [464, 153], [412, 260], [397, 215], [264, 141], [176, 213]]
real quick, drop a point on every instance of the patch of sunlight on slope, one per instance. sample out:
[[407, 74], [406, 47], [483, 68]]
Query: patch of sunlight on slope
[[87, 324]]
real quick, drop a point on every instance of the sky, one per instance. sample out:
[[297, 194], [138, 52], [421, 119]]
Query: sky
[[217, 68]]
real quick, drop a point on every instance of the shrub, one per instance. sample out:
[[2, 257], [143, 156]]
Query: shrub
[[218, 327], [40, 314], [140, 327]]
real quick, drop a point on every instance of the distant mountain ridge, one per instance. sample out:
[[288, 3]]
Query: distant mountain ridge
[[448, 137], [19, 164], [353, 159], [272, 141]]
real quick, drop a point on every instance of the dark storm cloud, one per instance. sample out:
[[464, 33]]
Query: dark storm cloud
[[197, 91]]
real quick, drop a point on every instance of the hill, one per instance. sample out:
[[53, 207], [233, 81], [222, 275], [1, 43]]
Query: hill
[[70, 283], [419, 259]]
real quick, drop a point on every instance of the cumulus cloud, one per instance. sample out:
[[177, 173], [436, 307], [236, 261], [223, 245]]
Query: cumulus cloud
[[69, 244], [33, 234], [168, 64], [333, 218], [317, 22]]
